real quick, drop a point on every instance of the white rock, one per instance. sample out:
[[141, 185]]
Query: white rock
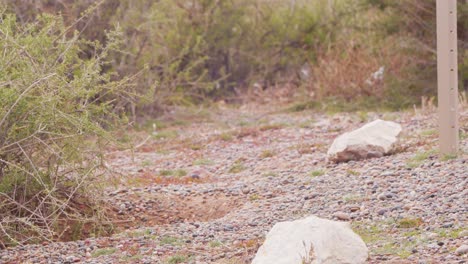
[[462, 250], [374, 139], [293, 242]]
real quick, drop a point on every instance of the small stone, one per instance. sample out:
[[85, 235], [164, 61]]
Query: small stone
[[433, 246], [382, 196], [365, 212], [407, 207], [447, 225], [387, 173], [462, 250], [245, 190], [72, 259], [382, 211], [342, 216], [463, 233]]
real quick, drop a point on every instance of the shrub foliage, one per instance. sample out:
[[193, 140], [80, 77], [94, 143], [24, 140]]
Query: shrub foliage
[[52, 102]]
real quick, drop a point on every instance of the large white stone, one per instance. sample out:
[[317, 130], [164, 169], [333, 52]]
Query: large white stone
[[329, 242], [374, 139]]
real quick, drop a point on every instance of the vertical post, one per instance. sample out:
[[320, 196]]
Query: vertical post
[[447, 71]]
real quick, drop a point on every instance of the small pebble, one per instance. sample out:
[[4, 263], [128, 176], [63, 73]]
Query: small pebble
[[342, 216], [382, 211], [382, 197]]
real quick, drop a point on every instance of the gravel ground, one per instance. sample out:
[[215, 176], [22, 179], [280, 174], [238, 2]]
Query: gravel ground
[[209, 193]]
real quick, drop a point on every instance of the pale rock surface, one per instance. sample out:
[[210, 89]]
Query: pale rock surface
[[462, 250], [312, 240], [372, 140]]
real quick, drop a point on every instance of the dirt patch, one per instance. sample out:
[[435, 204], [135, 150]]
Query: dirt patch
[[160, 209], [145, 178]]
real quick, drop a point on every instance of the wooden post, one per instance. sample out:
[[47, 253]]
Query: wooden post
[[447, 71]]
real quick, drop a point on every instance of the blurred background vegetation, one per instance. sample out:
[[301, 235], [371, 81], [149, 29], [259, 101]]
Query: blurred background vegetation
[[201, 50], [71, 70]]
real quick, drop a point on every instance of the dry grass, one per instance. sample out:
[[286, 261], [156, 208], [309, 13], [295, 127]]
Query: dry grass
[[346, 71]]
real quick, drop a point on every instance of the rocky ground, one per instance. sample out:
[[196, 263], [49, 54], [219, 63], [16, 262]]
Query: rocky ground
[[208, 191]]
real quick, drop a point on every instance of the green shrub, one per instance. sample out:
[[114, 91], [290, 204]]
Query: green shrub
[[53, 102], [207, 48]]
